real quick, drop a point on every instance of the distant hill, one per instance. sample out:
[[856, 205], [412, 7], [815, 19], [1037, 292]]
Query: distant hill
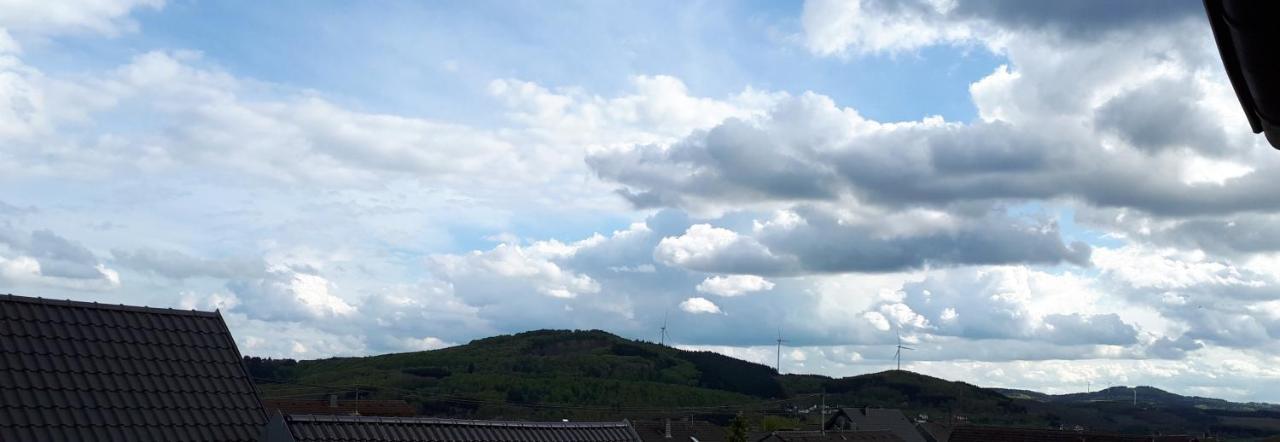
[[555, 374], [1145, 396], [592, 369]]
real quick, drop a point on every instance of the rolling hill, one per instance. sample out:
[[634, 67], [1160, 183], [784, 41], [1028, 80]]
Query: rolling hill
[[555, 374], [595, 372]]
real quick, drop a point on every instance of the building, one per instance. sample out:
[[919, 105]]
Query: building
[[832, 436], [341, 407], [680, 430], [309, 428], [866, 418], [81, 371]]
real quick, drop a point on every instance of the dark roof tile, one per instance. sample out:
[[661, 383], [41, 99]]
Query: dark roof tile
[[309, 428], [87, 372]]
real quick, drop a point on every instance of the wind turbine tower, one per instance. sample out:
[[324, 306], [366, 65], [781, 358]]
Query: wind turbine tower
[[898, 354], [778, 363], [662, 332]]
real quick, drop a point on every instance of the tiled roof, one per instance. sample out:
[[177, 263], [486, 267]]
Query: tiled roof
[[389, 407], [304, 428], [877, 419], [833, 436], [681, 431], [81, 371], [976, 433]]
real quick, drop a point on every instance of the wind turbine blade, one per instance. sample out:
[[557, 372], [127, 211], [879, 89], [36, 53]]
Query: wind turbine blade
[[907, 348]]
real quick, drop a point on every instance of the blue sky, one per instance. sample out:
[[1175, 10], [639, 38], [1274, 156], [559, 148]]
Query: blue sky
[[1034, 198]]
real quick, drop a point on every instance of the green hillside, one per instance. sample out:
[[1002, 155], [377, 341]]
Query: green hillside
[[596, 372], [556, 374]]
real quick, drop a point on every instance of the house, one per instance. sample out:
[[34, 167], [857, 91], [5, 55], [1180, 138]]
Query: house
[[311, 428], [866, 418], [335, 406], [82, 371], [980, 433], [681, 430], [832, 436]]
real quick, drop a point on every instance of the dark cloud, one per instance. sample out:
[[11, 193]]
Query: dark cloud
[[58, 256], [934, 165], [825, 244], [1079, 19], [1162, 115]]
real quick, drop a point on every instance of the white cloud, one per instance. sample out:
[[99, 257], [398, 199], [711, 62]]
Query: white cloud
[[288, 295], [537, 263], [109, 17], [833, 26], [699, 306], [704, 247], [734, 285]]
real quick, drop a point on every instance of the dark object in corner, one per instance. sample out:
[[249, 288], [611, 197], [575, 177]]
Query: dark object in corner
[[1248, 34]]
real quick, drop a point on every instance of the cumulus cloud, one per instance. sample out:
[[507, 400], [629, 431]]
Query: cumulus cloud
[[706, 248], [699, 306], [42, 257], [999, 303], [867, 26], [734, 285], [288, 295], [819, 241], [536, 262]]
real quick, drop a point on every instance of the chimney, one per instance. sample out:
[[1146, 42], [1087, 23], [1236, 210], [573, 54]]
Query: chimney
[[667, 434], [333, 401]]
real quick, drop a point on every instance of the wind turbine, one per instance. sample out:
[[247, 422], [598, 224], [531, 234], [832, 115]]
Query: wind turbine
[[662, 332], [778, 365], [898, 354]]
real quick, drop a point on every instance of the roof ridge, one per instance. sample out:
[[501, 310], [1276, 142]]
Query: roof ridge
[[438, 420], [102, 306]]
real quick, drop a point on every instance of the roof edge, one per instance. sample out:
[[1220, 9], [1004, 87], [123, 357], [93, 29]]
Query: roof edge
[[102, 306], [435, 420]]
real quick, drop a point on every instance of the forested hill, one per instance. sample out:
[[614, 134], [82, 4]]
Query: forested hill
[[592, 369]]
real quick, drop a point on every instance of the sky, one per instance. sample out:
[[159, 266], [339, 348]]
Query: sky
[[1040, 195]]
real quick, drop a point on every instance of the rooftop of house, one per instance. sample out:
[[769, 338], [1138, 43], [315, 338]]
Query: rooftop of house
[[346, 407], [875, 419], [682, 430], [87, 371], [832, 436], [309, 428]]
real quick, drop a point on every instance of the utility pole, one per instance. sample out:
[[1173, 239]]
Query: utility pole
[[822, 412]]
